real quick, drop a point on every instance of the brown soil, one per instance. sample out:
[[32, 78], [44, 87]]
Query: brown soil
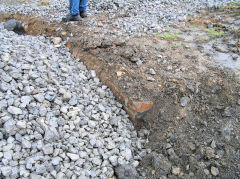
[[185, 70], [33, 26]]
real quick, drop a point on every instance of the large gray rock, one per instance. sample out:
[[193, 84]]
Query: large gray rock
[[26, 144], [184, 101], [56, 40], [114, 160], [56, 160], [8, 155], [97, 161], [39, 97], [21, 124], [14, 25], [161, 163], [47, 149], [214, 171], [51, 134], [40, 169], [128, 154], [10, 127], [72, 156], [25, 100], [126, 171], [4, 86], [14, 110], [6, 171]]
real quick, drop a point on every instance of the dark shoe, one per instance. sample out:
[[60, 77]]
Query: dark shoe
[[71, 18], [83, 14]]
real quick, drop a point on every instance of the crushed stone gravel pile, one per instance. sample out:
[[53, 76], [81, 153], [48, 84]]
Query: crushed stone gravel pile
[[56, 118]]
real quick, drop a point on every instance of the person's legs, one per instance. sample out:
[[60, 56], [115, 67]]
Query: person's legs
[[83, 6], [74, 4], [74, 11]]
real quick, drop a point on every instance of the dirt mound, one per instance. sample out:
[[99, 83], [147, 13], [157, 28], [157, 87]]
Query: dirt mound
[[33, 26], [173, 86]]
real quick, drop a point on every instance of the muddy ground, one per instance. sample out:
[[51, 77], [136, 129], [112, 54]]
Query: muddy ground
[[183, 85]]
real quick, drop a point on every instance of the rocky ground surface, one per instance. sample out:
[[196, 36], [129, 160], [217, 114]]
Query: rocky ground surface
[[188, 67], [133, 17]]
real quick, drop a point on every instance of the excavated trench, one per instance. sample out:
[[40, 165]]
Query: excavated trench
[[186, 100]]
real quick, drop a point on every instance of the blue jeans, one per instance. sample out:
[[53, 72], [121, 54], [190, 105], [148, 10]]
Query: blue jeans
[[77, 5], [83, 6], [74, 7]]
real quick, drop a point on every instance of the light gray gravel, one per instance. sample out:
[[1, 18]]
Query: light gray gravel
[[56, 118], [132, 17]]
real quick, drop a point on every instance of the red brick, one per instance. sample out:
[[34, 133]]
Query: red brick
[[68, 45], [141, 106]]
